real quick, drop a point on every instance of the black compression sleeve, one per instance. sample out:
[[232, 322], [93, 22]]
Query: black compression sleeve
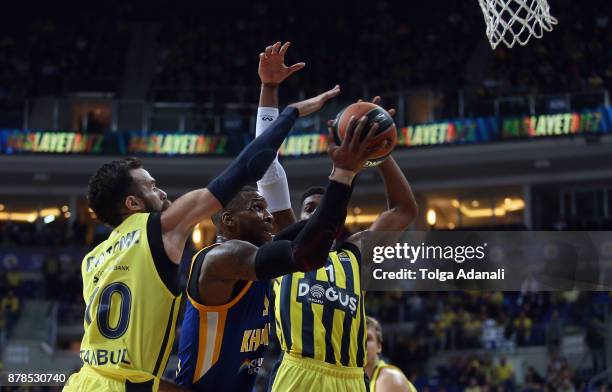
[[313, 238], [254, 159], [274, 259], [314, 242], [291, 232]]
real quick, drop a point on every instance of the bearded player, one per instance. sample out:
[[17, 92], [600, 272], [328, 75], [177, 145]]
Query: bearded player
[[383, 377], [320, 317], [130, 280]]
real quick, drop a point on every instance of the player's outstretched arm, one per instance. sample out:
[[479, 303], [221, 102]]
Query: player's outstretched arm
[[273, 185], [187, 211], [238, 260], [401, 205], [401, 208]]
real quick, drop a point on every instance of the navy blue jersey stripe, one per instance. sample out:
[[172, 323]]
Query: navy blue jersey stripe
[[348, 318], [308, 321], [275, 371], [360, 334], [188, 343], [285, 309], [162, 350], [328, 324]]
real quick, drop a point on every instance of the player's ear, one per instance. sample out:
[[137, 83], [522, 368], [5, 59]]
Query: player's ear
[[227, 219], [133, 203]]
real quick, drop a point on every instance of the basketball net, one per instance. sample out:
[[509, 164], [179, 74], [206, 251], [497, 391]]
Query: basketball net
[[512, 21]]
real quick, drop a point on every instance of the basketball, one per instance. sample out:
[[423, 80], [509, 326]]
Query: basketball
[[386, 132]]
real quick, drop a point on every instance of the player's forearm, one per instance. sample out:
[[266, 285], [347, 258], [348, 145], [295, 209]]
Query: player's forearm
[[400, 198], [188, 210], [268, 96], [254, 159], [273, 185]]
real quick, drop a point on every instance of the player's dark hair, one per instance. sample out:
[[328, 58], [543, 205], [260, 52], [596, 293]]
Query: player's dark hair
[[371, 322], [233, 204], [109, 187], [313, 190]]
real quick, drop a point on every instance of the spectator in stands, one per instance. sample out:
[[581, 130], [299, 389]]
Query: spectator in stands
[[567, 385], [492, 334], [486, 369], [441, 326], [473, 371], [503, 373], [558, 373], [11, 306], [522, 326], [473, 330], [14, 281]]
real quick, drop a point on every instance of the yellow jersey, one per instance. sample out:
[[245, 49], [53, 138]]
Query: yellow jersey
[[131, 290], [382, 365], [320, 314]]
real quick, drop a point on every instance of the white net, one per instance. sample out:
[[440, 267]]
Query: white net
[[512, 21]]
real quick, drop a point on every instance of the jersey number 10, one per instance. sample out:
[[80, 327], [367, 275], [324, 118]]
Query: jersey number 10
[[104, 309]]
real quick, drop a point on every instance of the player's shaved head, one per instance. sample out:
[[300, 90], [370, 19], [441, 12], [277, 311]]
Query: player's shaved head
[[238, 202], [246, 218]]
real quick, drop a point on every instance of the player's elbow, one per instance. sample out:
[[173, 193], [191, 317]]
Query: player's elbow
[[405, 214], [311, 263], [310, 257]]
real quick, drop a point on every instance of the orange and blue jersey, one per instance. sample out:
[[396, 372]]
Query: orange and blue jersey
[[222, 347]]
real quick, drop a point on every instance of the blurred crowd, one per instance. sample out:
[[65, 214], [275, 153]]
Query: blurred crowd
[[59, 233], [48, 51], [494, 323], [491, 320], [481, 373], [391, 51], [207, 52]]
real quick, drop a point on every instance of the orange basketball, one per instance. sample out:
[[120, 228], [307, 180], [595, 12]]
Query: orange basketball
[[386, 133]]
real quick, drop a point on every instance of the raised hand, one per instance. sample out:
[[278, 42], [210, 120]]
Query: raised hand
[[353, 153], [311, 105], [272, 69]]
